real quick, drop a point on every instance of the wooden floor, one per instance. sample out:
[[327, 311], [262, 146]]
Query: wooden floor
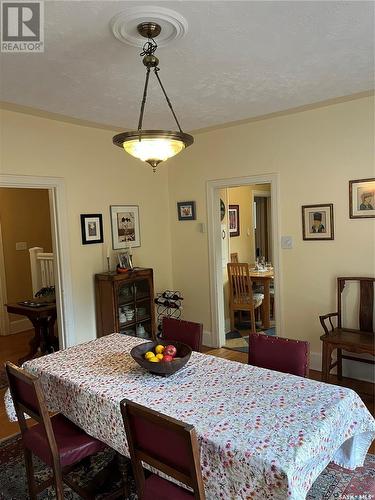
[[13, 349]]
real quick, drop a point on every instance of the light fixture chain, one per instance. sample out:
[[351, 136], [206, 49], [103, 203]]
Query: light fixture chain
[[156, 70], [143, 101]]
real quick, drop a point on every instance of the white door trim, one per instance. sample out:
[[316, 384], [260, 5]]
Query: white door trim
[[4, 317], [214, 249], [60, 242]]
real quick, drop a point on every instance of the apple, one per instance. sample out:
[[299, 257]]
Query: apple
[[167, 358], [170, 350]]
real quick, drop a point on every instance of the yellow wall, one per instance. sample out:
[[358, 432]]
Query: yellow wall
[[97, 175], [24, 217], [316, 153]]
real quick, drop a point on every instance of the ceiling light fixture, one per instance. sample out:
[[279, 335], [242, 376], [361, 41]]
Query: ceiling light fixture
[[152, 146]]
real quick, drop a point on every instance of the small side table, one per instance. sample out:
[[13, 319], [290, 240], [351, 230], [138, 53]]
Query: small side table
[[43, 320]]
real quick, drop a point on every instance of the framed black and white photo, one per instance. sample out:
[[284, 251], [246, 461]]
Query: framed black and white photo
[[234, 220], [125, 226], [91, 228], [125, 260], [362, 198], [317, 222], [186, 210]]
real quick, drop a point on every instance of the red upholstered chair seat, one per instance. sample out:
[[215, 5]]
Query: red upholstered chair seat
[[157, 488], [188, 332], [73, 444], [279, 354]]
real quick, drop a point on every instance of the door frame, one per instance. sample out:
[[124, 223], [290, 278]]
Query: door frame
[[214, 249], [60, 243], [260, 194]]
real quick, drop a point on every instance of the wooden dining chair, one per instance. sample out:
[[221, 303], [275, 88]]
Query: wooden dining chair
[[355, 340], [241, 295], [188, 332], [55, 440], [279, 354], [168, 445]]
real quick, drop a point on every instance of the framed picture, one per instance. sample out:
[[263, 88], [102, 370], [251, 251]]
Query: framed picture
[[125, 226], [91, 228], [362, 198], [317, 222], [234, 220], [186, 210], [125, 260]]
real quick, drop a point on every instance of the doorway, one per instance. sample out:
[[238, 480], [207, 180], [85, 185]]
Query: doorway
[[219, 253], [27, 263], [60, 249]]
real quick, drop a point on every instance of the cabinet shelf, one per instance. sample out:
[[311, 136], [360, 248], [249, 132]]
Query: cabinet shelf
[[114, 292]]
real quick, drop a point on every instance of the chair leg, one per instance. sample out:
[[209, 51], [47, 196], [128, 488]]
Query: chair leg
[[326, 361], [231, 319], [252, 317], [30, 473], [339, 364], [59, 486]]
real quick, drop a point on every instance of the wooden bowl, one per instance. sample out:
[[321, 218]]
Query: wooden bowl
[[166, 368]]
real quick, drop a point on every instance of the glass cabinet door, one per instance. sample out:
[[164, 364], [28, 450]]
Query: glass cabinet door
[[142, 289]]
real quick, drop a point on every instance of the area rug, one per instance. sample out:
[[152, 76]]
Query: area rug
[[13, 483], [238, 340], [3, 379], [334, 483]]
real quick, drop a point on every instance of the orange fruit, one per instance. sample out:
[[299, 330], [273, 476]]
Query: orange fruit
[[159, 356], [159, 349]]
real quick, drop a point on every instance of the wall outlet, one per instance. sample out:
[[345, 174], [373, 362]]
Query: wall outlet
[[286, 242], [21, 245]]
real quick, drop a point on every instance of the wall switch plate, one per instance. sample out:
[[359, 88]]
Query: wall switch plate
[[21, 245], [202, 227], [286, 242]]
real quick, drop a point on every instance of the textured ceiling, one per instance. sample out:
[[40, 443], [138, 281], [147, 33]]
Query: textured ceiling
[[238, 60]]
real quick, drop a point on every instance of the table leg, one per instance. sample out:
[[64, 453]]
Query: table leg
[[34, 343], [266, 305], [44, 339]]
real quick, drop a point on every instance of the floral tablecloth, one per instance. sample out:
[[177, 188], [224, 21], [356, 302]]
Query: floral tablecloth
[[263, 434]]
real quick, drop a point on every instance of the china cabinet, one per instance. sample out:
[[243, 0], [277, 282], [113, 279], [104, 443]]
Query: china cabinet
[[125, 303]]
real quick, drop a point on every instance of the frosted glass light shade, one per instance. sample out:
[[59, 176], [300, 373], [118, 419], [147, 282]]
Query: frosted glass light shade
[[153, 146], [158, 149]]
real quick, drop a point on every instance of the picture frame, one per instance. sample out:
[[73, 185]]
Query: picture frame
[[317, 222], [362, 198], [125, 226], [125, 260], [234, 220], [91, 228], [186, 210]]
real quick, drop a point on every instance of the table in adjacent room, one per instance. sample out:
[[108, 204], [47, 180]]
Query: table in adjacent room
[[264, 278], [43, 320]]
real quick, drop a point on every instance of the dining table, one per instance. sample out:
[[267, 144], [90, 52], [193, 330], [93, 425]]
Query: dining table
[[262, 434], [264, 278]]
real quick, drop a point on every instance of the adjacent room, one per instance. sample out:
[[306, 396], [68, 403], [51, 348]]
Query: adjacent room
[[187, 250]]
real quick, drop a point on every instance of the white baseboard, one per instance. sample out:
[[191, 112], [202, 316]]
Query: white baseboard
[[20, 325], [351, 369], [208, 339]]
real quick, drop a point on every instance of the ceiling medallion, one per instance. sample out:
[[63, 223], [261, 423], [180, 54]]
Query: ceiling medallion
[[152, 146], [124, 25]]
